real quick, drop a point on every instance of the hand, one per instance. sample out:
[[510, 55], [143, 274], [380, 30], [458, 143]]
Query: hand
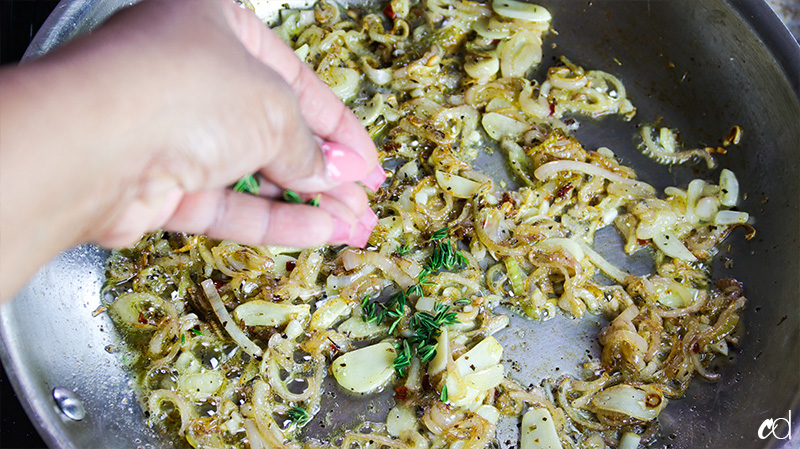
[[144, 123]]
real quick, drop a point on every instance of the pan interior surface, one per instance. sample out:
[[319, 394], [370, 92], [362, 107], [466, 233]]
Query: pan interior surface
[[700, 67]]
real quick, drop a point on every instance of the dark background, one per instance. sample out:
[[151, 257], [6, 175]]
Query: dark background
[[19, 22]]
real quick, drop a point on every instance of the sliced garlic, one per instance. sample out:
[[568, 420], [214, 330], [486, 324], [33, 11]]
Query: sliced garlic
[[483, 355], [366, 369], [489, 413], [538, 430], [643, 402], [457, 186], [728, 188], [329, 312], [264, 313], [499, 126], [400, 419], [672, 246]]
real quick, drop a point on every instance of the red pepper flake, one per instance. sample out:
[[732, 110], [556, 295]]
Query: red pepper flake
[[696, 348], [508, 199], [552, 109], [219, 284], [400, 393], [562, 192], [643, 242], [142, 318], [388, 11], [290, 265]]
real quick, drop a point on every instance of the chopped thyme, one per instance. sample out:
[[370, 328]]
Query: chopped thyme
[[299, 416], [248, 184]]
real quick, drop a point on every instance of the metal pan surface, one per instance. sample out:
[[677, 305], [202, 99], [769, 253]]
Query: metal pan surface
[[700, 66]]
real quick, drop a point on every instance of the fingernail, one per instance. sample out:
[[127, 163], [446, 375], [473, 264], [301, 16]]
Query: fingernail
[[343, 163], [374, 180], [369, 219], [341, 231], [363, 229]]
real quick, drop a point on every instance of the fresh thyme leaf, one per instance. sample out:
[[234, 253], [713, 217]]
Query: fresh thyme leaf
[[427, 328], [248, 184], [403, 250], [426, 352], [299, 416], [403, 360], [440, 234], [415, 289], [462, 259], [423, 275], [291, 196], [314, 201], [448, 319], [463, 302], [380, 315], [426, 321], [401, 301], [444, 396], [196, 331], [183, 338], [439, 307], [393, 327], [371, 312]]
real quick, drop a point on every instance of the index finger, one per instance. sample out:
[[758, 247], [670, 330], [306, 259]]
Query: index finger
[[323, 111]]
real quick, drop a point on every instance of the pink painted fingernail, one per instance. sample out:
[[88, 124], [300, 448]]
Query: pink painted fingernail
[[363, 229], [341, 231], [369, 219], [374, 180], [343, 163]]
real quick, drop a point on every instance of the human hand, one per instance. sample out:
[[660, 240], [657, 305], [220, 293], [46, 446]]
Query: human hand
[[146, 122], [241, 100]]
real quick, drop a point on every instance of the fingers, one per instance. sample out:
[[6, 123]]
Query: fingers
[[350, 195], [347, 202], [253, 220], [325, 115]]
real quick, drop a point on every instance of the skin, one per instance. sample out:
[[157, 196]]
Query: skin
[[148, 121]]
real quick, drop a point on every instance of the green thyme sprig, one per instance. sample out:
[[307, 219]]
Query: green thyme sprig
[[372, 311], [403, 249], [403, 359], [248, 184], [439, 235], [444, 254], [376, 312], [290, 196], [299, 416], [251, 184], [427, 327], [444, 396]]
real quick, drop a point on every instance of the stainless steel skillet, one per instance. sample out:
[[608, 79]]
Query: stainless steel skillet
[[702, 66]]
